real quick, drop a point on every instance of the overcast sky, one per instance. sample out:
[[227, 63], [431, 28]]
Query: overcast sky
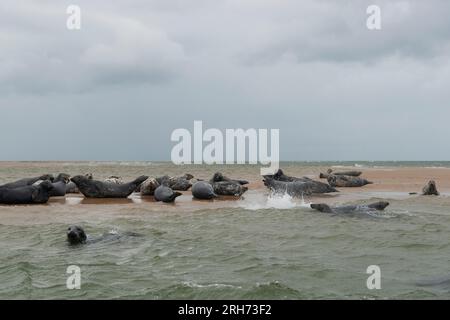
[[138, 69]]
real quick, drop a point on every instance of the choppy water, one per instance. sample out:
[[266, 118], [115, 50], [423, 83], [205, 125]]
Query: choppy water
[[255, 248]]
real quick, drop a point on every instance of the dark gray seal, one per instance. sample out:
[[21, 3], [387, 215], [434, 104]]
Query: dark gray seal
[[27, 181], [203, 190], [76, 235], [229, 188], [27, 195], [430, 189], [342, 173], [99, 189], [366, 208], [297, 188], [182, 183], [280, 176], [165, 194], [347, 181], [60, 185], [72, 187], [219, 177]]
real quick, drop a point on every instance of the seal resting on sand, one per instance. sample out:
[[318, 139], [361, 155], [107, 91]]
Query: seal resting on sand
[[182, 183], [26, 195], [148, 187], [59, 185], [343, 173], [347, 181], [377, 206], [98, 189], [229, 188], [72, 187], [165, 194], [203, 190], [219, 177], [430, 189], [280, 176], [76, 235], [297, 188], [27, 181]]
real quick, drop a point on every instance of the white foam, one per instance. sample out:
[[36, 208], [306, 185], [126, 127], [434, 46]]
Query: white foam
[[276, 201]]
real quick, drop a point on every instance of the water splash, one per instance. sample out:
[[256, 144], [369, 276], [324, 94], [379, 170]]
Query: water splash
[[276, 201]]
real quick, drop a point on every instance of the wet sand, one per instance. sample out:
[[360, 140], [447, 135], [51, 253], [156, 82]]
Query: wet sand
[[389, 183]]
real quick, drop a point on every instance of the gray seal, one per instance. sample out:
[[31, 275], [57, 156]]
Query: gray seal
[[219, 177], [166, 194], [430, 189], [280, 176], [347, 181], [182, 183], [203, 190], [99, 189], [297, 188], [342, 173], [229, 188], [76, 235], [377, 206], [72, 187], [148, 187], [27, 195], [27, 181]]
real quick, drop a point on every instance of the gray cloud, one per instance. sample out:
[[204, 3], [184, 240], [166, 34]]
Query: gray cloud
[[139, 69]]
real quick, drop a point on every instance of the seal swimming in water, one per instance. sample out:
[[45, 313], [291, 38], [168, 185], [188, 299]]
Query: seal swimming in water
[[76, 235], [342, 173], [203, 190], [347, 181], [98, 189], [297, 188], [165, 194], [430, 189], [27, 181], [377, 206], [27, 195]]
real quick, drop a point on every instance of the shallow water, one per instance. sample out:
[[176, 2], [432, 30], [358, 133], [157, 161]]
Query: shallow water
[[255, 248]]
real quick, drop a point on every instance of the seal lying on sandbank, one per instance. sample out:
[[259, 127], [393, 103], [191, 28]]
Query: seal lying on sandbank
[[225, 186], [165, 194], [229, 188], [347, 181], [72, 187], [430, 189], [27, 181], [297, 188], [76, 235], [59, 185], [342, 173], [219, 177], [280, 176], [203, 190], [27, 195], [181, 183], [377, 206], [98, 189]]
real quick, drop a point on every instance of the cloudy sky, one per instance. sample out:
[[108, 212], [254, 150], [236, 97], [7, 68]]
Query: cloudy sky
[[138, 69]]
